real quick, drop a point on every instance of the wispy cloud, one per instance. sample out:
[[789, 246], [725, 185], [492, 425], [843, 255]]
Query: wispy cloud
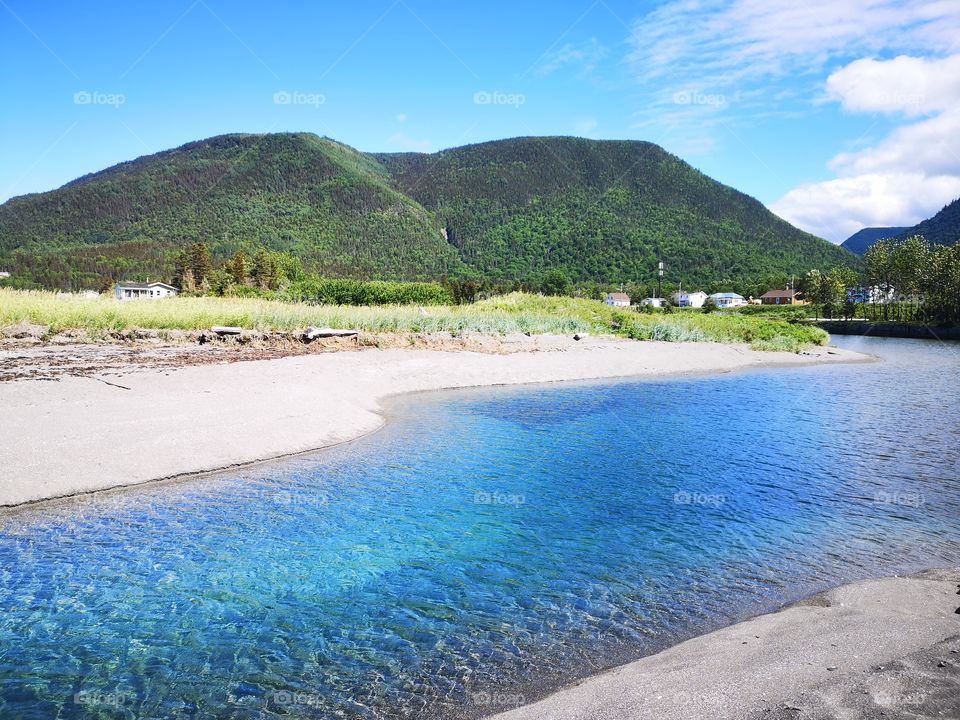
[[768, 58], [582, 58]]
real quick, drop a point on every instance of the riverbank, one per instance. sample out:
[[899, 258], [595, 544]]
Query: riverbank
[[888, 647], [93, 430], [889, 329]]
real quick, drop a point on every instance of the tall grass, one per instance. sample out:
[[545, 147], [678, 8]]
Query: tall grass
[[503, 315]]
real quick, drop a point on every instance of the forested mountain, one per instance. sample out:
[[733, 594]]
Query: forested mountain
[[323, 201], [604, 210], [942, 229], [510, 209], [860, 241]]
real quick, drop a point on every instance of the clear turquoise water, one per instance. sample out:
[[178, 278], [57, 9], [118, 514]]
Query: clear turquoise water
[[485, 547]]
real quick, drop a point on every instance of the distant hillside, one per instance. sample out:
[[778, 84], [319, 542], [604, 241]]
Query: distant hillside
[[942, 229], [860, 241], [604, 210], [510, 209]]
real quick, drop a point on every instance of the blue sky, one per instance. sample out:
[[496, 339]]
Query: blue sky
[[836, 114]]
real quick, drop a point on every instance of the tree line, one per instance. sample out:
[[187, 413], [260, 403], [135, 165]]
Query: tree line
[[907, 280]]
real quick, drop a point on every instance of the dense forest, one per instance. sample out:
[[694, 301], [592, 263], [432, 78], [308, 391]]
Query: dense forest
[[501, 212], [331, 206], [602, 211], [860, 241], [942, 229]]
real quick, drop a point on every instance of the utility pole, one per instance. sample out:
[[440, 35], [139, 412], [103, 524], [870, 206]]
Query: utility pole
[[660, 279]]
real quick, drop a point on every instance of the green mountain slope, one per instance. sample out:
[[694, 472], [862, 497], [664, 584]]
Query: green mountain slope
[[860, 241], [602, 210], [511, 209], [942, 229], [321, 200]]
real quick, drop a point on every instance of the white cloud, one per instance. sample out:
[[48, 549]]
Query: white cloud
[[402, 117], [931, 147], [402, 141], [905, 177], [910, 85], [836, 209]]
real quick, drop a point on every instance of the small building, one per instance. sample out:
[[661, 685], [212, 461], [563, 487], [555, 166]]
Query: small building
[[869, 295], [144, 291], [617, 299], [779, 297], [693, 300], [728, 300], [653, 302], [4, 275]]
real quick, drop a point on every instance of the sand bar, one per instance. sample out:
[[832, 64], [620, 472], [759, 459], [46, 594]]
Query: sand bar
[[83, 434], [872, 649]]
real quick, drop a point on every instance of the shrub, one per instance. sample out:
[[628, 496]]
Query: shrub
[[317, 291]]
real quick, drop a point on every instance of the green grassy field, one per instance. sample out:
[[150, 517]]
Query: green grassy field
[[502, 315]]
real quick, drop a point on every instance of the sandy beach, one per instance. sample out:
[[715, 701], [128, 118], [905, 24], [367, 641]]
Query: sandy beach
[[75, 432], [878, 648]]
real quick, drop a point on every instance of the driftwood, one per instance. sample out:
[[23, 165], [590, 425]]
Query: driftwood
[[311, 334], [219, 330]]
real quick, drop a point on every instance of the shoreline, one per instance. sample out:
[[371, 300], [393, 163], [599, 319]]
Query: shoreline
[[86, 434], [857, 650]]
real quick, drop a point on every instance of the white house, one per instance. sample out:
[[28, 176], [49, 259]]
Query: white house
[[652, 302], [728, 300], [618, 299], [4, 275], [144, 291], [870, 295], [693, 300]]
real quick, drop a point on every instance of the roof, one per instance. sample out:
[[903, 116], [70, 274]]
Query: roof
[[144, 286], [619, 296], [779, 294], [727, 295]]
